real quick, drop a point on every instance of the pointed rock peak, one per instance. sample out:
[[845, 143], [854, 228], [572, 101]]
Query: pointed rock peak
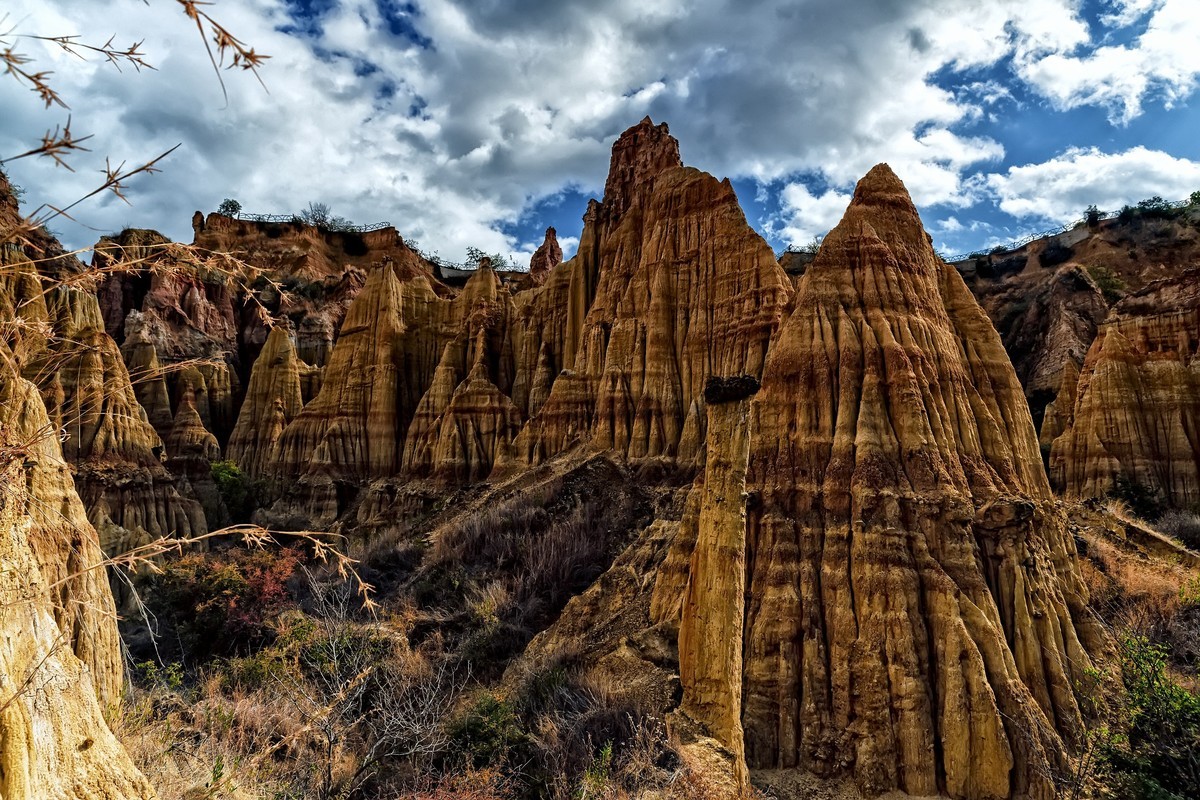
[[883, 212], [881, 188], [546, 257], [449, 356], [641, 153]]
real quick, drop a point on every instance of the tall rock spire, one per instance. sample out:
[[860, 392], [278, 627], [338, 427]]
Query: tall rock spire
[[913, 612]]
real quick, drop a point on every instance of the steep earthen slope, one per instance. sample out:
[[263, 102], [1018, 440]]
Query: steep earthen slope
[[1135, 411], [1048, 298]]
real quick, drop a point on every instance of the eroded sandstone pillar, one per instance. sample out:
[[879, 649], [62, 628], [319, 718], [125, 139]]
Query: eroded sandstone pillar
[[710, 630]]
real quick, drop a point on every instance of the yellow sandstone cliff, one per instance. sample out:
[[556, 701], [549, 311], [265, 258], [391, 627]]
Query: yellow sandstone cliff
[[1135, 413]]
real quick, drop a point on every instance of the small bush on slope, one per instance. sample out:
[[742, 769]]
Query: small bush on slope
[[1159, 757], [219, 604]]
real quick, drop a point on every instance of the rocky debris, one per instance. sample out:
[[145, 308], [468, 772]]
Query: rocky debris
[[914, 617], [710, 627], [1136, 409], [548, 256]]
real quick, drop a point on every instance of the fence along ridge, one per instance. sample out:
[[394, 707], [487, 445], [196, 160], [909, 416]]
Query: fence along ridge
[[1019, 243], [376, 226]]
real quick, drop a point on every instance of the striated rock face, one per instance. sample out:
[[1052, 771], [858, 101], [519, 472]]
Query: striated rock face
[[58, 341], [273, 399], [191, 449], [548, 256], [710, 627], [162, 296], [1136, 408], [914, 617], [60, 658], [117, 454], [457, 437], [1058, 412], [381, 376], [611, 350], [670, 285]]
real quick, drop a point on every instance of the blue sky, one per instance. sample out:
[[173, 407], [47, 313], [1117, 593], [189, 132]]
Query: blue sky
[[480, 122]]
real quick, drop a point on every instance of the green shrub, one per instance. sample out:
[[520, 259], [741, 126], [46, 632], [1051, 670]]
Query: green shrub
[[220, 604], [1108, 282], [489, 734], [1156, 208], [1159, 758], [230, 208], [239, 492]]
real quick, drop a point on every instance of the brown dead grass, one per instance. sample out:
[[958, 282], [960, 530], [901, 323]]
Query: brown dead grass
[[1142, 593]]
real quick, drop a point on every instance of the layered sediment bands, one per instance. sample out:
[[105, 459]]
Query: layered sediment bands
[[670, 285], [710, 627], [1136, 413], [914, 617], [116, 453], [273, 399], [381, 370]]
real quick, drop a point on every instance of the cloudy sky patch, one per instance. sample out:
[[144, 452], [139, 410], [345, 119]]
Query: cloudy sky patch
[[480, 122]]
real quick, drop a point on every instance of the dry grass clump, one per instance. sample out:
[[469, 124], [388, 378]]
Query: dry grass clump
[[336, 706], [1146, 594]]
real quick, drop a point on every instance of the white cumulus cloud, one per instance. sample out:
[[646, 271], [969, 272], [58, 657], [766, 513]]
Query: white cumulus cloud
[[1061, 188]]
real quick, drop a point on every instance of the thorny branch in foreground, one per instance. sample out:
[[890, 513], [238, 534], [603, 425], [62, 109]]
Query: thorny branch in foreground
[[224, 50]]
